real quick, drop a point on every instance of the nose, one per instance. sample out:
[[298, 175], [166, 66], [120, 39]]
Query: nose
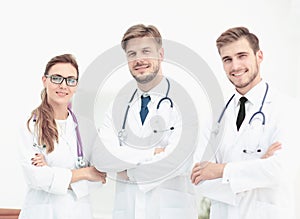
[[63, 83], [235, 65]]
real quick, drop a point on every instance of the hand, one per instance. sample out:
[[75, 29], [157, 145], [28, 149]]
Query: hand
[[158, 150], [271, 150], [38, 160], [123, 176], [95, 175], [206, 171]]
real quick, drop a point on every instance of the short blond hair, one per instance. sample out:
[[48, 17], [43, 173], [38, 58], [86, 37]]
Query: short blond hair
[[139, 31]]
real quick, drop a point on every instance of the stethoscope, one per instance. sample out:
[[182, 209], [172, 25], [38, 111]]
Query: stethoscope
[[80, 162], [259, 112], [122, 135]]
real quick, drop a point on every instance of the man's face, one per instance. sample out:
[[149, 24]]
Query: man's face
[[241, 64], [144, 59]]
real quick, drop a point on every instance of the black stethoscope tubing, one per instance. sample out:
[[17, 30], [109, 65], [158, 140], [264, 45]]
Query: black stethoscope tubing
[[256, 113], [122, 132], [157, 107], [252, 117]]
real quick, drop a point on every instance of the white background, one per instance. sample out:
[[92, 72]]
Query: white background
[[32, 32]]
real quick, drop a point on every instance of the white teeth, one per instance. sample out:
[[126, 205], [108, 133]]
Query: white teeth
[[238, 74], [61, 93]]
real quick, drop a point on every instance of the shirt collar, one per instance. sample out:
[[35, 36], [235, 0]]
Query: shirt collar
[[254, 95], [158, 91]]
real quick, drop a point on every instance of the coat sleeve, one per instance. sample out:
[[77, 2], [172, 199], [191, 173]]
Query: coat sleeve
[[50, 179], [175, 161], [212, 189], [109, 156], [277, 170]]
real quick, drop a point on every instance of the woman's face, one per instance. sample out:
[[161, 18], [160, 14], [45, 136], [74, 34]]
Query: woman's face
[[59, 94]]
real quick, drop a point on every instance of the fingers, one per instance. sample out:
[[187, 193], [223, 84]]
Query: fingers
[[275, 146], [102, 174], [196, 175], [103, 181], [102, 177], [99, 176], [158, 150], [38, 160], [272, 149]]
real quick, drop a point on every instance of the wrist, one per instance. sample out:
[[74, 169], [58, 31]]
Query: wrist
[[79, 174], [222, 167]]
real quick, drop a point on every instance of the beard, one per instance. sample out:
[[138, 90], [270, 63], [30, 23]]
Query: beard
[[250, 79], [147, 76]]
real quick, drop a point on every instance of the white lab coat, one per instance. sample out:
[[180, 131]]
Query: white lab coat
[[144, 195], [48, 196], [254, 188]]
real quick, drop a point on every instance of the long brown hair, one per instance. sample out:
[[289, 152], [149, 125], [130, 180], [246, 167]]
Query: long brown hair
[[43, 115]]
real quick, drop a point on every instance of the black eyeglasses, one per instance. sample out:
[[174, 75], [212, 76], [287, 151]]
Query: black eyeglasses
[[58, 79]]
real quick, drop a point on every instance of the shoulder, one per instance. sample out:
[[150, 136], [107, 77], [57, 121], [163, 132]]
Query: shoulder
[[22, 123], [281, 99], [284, 104]]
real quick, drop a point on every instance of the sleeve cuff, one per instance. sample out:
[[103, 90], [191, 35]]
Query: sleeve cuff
[[226, 174], [80, 188], [61, 180]]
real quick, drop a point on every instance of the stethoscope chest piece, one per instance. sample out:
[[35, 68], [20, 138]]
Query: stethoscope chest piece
[[81, 163], [254, 130], [122, 135]]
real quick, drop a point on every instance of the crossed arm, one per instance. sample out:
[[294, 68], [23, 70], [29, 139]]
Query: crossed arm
[[208, 170], [87, 173]]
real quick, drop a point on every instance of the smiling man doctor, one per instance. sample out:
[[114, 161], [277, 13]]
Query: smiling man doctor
[[140, 194], [244, 181]]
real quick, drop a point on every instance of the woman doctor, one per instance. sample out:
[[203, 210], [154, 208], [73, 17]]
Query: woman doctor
[[56, 188]]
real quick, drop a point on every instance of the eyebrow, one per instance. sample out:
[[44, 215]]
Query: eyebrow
[[225, 57], [237, 54], [147, 47], [71, 76]]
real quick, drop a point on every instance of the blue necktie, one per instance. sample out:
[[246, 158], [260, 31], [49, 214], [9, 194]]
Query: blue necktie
[[144, 109]]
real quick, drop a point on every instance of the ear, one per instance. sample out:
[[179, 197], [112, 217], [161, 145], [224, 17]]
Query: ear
[[161, 54], [44, 79], [259, 56]]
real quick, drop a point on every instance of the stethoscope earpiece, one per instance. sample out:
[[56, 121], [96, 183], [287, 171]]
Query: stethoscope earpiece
[[251, 152], [164, 130]]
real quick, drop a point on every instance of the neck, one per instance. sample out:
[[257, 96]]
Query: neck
[[245, 90], [61, 112], [151, 84]]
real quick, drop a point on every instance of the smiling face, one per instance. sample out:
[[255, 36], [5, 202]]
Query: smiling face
[[241, 64], [60, 94], [144, 59]]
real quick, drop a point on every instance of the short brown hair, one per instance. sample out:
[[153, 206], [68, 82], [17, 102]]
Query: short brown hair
[[140, 30], [236, 33]]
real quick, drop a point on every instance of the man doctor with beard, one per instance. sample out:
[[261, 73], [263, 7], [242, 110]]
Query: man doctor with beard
[[138, 194]]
